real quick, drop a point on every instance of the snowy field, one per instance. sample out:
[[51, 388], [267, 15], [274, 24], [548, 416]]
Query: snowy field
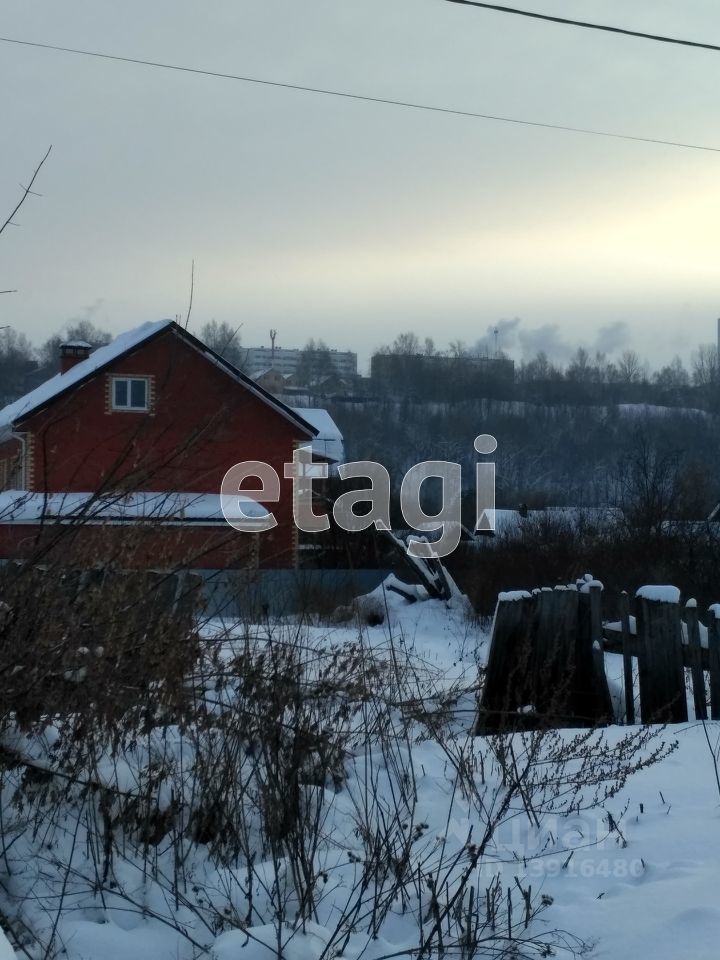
[[424, 841]]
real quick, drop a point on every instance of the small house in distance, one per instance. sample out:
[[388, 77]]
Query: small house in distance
[[328, 444], [272, 380], [136, 437]]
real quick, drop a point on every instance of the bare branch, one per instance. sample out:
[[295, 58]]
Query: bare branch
[[227, 343], [192, 290], [26, 191]]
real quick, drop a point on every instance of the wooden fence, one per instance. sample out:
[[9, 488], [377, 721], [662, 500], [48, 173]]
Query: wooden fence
[[546, 665], [142, 596]]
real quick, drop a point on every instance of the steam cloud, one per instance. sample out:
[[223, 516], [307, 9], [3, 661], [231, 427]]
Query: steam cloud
[[514, 339]]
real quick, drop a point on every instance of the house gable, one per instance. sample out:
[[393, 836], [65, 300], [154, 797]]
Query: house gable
[[200, 419], [61, 384], [181, 417]]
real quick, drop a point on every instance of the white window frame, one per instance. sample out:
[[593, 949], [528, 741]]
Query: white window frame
[[127, 408]]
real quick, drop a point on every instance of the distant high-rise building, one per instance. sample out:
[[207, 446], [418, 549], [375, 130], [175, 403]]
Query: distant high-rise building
[[285, 361]]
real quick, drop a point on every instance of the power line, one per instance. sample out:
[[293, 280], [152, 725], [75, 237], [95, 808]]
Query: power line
[[362, 97], [658, 38]]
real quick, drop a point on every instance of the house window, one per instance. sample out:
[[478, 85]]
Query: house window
[[130, 393], [14, 473]]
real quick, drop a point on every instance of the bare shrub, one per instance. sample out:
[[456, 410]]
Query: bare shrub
[[92, 642], [287, 791], [547, 550]]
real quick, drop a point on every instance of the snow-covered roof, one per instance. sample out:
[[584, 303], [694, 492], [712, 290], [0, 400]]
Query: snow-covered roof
[[77, 343], [511, 521], [58, 384], [328, 443], [19, 506], [103, 356]]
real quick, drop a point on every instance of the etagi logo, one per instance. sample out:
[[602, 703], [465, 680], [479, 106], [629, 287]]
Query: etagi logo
[[244, 508]]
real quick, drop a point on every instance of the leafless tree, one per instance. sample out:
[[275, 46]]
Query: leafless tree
[[83, 329], [458, 349], [406, 344], [315, 363], [705, 366], [630, 368], [223, 339], [672, 377], [648, 485]]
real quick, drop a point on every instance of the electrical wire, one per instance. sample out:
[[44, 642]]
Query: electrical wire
[[323, 91], [658, 38]]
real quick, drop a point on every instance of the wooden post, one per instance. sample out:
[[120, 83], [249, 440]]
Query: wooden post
[[508, 681], [714, 659], [695, 660], [627, 659], [596, 632], [586, 700], [662, 673], [593, 697], [555, 656]]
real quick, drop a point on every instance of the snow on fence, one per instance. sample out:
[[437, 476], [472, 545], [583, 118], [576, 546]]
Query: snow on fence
[[546, 665]]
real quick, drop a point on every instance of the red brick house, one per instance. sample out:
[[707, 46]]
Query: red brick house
[[136, 437]]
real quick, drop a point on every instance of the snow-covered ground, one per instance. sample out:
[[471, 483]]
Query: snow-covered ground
[[635, 877]]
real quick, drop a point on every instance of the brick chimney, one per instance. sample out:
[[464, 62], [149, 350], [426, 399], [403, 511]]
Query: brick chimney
[[72, 352]]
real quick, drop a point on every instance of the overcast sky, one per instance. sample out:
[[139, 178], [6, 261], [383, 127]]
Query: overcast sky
[[352, 221]]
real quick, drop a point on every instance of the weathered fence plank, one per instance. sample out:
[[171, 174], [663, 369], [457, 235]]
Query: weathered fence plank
[[695, 658], [714, 660], [543, 655], [507, 677], [628, 682], [604, 707], [554, 653], [661, 669], [592, 694]]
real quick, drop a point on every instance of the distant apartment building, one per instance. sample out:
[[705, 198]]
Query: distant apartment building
[[285, 361], [441, 377]]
